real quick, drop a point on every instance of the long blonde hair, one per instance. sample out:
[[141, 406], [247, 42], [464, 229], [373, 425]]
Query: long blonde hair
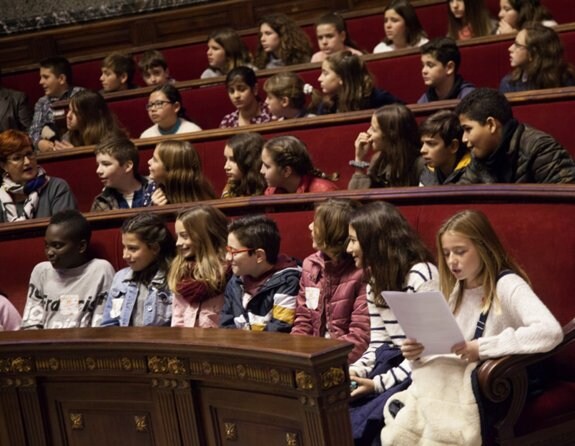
[[475, 226], [207, 228]]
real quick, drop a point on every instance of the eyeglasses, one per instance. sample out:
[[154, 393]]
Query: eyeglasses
[[234, 251], [518, 45], [19, 157], [156, 105]]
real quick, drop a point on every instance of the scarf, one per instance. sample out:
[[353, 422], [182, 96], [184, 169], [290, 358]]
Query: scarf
[[31, 189]]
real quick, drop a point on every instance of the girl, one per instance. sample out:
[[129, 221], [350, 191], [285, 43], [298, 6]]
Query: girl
[[242, 87], [537, 60], [485, 288], [89, 121], [287, 168], [469, 18], [167, 112], [394, 140], [286, 96], [282, 42], [348, 86], [331, 301], [199, 273], [243, 154], [393, 258], [332, 36], [402, 28], [176, 175], [514, 14], [226, 50], [139, 295]]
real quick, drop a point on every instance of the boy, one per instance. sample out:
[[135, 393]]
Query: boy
[[505, 151], [118, 162], [70, 289], [155, 69], [117, 73], [261, 295], [440, 59], [56, 80], [444, 153]]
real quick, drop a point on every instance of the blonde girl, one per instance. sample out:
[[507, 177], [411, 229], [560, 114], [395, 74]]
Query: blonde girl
[[331, 301], [332, 36], [469, 18], [286, 96], [176, 175], [347, 85], [287, 168], [199, 273], [282, 42], [226, 50], [139, 295], [402, 28], [243, 154]]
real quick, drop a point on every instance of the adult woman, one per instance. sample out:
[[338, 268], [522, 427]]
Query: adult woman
[[27, 191]]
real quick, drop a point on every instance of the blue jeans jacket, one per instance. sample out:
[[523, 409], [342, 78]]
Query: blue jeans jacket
[[123, 295]]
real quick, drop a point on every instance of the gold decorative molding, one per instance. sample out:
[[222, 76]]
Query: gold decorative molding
[[247, 372], [18, 364], [141, 422], [77, 421], [166, 365], [230, 431], [303, 380], [91, 364], [291, 439], [17, 382], [334, 376]]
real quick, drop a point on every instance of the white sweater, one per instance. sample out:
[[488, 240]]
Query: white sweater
[[521, 323]]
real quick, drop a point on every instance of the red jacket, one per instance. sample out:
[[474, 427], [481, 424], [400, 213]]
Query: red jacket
[[308, 183], [341, 305]]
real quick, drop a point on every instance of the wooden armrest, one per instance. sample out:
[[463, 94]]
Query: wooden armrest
[[499, 378]]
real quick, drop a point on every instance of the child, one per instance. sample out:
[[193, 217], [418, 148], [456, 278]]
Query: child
[[287, 168], [514, 14], [154, 68], [282, 42], [261, 295], [199, 272], [69, 290], [505, 151], [242, 87], [89, 121], [348, 86], [56, 80], [243, 154], [402, 28], [332, 36], [226, 51], [393, 139], [331, 301], [118, 170], [498, 313], [117, 72], [286, 96], [139, 295], [393, 258], [176, 175], [444, 153], [440, 61], [167, 112], [537, 60], [469, 18], [10, 319]]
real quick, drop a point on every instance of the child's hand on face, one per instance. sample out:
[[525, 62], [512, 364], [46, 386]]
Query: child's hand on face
[[159, 198], [505, 28], [365, 386], [362, 146], [468, 351], [411, 349]]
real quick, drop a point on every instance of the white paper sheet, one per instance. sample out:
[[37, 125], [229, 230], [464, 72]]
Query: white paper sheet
[[426, 317]]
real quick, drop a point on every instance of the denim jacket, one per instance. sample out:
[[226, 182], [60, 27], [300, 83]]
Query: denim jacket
[[124, 293]]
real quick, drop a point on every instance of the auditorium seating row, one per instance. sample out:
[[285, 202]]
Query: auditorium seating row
[[187, 58], [329, 139], [533, 221]]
